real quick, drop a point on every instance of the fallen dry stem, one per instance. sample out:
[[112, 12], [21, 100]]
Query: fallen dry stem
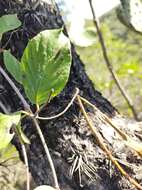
[[104, 147], [136, 146], [106, 118]]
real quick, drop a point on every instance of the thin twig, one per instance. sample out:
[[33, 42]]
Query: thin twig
[[109, 65], [27, 108], [123, 135], [26, 164], [11, 34], [47, 153], [25, 104], [61, 113], [105, 118], [4, 109], [104, 147]]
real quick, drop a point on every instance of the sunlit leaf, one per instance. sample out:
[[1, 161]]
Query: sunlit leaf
[[130, 14], [6, 122], [9, 152], [9, 22], [22, 137], [44, 67]]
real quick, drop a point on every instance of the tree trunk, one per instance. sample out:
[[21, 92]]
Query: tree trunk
[[68, 135]]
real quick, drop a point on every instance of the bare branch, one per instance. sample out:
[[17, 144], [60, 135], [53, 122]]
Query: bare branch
[[109, 65], [104, 118], [25, 104], [104, 147]]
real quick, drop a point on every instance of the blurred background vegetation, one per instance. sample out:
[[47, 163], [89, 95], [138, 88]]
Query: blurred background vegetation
[[124, 50]]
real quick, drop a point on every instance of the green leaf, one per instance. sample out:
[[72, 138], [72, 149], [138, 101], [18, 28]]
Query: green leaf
[[6, 122], [9, 22], [12, 65], [8, 153], [45, 65], [21, 135]]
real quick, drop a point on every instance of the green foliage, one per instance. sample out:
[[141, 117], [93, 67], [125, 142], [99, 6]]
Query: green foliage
[[22, 137], [8, 22], [45, 65], [6, 123], [8, 153], [123, 50]]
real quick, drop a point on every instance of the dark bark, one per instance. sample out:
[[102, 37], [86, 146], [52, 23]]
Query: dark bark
[[68, 132]]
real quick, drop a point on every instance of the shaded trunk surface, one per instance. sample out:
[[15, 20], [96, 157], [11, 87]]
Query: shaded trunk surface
[[67, 137]]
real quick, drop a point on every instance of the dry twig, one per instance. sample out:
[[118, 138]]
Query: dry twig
[[104, 147], [26, 164], [137, 146], [109, 65]]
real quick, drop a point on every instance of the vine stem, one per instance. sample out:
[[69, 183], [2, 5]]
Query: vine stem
[[26, 164], [27, 108], [47, 154], [64, 111], [54, 116], [25, 104], [109, 65], [104, 147]]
